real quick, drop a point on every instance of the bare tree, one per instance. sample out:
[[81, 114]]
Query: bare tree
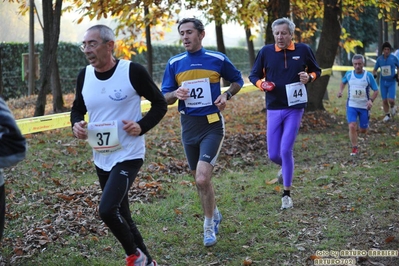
[[250, 46], [1, 72], [58, 100], [150, 60], [326, 52], [51, 33], [275, 9]]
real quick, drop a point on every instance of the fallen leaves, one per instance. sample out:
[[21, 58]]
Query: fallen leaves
[[389, 239], [247, 262], [74, 213]]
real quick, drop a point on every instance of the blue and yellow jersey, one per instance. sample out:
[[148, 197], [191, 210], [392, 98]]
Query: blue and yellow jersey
[[201, 65]]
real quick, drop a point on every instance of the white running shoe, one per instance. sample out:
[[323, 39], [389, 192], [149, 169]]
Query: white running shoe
[[137, 260], [286, 202], [386, 118], [393, 111], [355, 151], [209, 236], [217, 222]]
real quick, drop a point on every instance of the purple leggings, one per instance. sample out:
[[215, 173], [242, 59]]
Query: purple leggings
[[282, 129]]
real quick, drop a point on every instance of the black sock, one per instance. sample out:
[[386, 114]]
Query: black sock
[[388, 114], [286, 193]]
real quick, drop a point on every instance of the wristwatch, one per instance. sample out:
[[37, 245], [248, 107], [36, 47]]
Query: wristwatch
[[229, 95], [310, 78]]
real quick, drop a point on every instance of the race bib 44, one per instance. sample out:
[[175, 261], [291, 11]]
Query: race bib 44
[[296, 93]]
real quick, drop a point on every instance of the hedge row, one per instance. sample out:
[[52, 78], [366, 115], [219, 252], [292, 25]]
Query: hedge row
[[71, 60]]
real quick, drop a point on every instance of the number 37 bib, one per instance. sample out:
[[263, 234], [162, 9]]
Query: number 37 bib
[[103, 136], [296, 93]]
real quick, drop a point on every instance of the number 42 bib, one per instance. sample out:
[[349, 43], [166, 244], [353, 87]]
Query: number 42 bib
[[199, 91]]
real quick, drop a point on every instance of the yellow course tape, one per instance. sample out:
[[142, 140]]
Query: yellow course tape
[[48, 122], [61, 120], [42, 123], [346, 68]]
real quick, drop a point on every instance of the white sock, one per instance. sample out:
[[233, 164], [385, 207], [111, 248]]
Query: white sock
[[208, 222]]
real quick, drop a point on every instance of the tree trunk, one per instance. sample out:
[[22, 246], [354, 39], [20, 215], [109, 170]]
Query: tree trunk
[[220, 46], [148, 42], [275, 9], [298, 23], [326, 52], [219, 39], [396, 32], [250, 46], [51, 33], [386, 37], [58, 101], [395, 24], [1, 71], [380, 35]]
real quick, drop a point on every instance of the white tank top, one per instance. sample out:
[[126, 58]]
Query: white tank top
[[114, 99], [358, 91]]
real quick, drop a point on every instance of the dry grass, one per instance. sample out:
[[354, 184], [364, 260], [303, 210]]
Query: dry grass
[[24, 107]]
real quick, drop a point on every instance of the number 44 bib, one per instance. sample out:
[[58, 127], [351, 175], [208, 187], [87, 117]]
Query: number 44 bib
[[296, 93], [103, 136]]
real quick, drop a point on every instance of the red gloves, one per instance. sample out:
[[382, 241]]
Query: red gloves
[[267, 86]]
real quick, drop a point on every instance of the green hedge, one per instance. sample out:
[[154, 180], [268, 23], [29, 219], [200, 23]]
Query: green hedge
[[161, 54], [71, 60]]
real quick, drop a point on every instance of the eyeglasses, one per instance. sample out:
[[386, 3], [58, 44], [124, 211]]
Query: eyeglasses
[[90, 45]]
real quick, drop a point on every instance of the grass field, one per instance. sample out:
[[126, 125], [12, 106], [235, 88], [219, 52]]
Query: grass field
[[344, 207]]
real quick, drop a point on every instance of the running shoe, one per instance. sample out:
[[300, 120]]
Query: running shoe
[[280, 176], [355, 151], [137, 260], [209, 236], [217, 222], [393, 111], [286, 202], [386, 118]]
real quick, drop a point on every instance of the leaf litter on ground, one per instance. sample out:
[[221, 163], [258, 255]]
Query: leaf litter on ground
[[74, 210]]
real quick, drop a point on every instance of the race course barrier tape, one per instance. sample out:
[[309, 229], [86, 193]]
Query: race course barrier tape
[[61, 120]]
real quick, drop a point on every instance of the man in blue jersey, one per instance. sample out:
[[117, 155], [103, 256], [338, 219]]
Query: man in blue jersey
[[110, 91], [388, 63], [193, 78], [359, 100], [282, 71]]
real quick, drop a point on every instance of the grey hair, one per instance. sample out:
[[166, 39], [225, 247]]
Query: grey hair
[[280, 21], [357, 57], [106, 33]]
